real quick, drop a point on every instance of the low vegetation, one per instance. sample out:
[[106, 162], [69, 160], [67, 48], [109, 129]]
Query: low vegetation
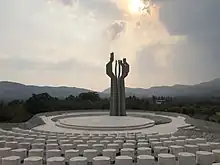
[[20, 111]]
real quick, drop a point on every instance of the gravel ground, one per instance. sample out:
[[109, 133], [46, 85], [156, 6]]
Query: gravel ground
[[203, 129]]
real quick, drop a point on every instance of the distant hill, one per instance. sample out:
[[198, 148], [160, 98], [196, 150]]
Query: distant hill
[[12, 91], [210, 88]]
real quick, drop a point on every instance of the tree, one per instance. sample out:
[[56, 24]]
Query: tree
[[15, 102], [1, 105], [91, 96], [39, 103], [70, 97], [154, 99]]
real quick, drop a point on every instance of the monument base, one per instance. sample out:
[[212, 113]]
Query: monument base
[[105, 123]]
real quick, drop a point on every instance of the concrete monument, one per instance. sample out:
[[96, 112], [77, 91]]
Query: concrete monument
[[117, 89]]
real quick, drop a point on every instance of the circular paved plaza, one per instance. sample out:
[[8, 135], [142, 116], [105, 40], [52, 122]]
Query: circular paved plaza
[[105, 123], [97, 121]]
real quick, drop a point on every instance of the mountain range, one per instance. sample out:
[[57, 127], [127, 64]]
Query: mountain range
[[12, 90], [210, 88]]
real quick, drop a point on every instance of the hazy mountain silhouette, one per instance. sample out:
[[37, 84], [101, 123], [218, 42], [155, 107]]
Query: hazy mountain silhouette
[[12, 90], [210, 88]]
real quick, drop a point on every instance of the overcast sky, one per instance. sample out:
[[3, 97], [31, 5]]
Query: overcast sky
[[67, 42]]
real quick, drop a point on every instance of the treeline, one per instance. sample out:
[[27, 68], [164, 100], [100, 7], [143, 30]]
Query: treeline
[[20, 111]]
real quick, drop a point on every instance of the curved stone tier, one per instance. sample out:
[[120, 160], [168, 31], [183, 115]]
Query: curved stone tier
[[105, 123]]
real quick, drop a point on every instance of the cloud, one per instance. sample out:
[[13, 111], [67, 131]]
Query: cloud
[[69, 72], [9, 63], [115, 29], [196, 59], [102, 9], [68, 2], [70, 41]]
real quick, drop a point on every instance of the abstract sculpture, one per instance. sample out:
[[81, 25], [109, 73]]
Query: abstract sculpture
[[117, 89]]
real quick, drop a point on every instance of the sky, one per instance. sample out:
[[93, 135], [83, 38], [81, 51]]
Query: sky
[[68, 42]]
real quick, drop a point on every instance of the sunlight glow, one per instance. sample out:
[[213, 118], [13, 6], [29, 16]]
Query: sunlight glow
[[135, 6]]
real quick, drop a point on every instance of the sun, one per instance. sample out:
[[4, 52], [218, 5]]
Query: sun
[[135, 6]]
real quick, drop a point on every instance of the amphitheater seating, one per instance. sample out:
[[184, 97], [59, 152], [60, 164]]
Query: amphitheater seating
[[28, 147]]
